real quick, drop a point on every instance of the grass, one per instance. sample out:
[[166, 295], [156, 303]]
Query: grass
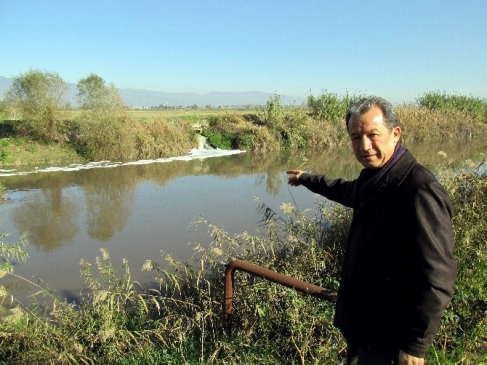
[[16, 152], [183, 113]]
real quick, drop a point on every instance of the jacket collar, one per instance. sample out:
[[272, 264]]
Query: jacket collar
[[393, 178]]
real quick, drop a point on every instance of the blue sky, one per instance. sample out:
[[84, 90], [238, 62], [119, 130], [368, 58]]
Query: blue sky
[[393, 48]]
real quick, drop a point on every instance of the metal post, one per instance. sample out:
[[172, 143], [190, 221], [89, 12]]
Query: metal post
[[270, 275]]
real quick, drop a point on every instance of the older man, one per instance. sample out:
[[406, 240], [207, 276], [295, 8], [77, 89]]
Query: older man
[[398, 273]]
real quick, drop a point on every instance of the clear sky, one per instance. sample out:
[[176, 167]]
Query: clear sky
[[398, 49]]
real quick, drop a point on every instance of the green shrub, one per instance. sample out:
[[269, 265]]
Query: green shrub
[[463, 332], [6, 157], [473, 106], [224, 141], [331, 107]]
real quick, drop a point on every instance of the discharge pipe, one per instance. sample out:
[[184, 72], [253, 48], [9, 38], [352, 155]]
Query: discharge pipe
[[288, 281]]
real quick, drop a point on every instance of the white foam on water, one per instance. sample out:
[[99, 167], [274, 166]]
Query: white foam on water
[[193, 155]]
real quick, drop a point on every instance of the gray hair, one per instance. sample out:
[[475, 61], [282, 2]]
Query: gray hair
[[365, 104]]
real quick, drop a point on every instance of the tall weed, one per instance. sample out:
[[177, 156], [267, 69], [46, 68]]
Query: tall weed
[[123, 139], [475, 107], [464, 327], [330, 107], [421, 124]]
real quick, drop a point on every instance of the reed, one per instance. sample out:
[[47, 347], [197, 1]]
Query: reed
[[475, 107], [125, 139], [421, 124]]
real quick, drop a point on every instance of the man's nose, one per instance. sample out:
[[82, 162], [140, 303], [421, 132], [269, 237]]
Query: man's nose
[[365, 144]]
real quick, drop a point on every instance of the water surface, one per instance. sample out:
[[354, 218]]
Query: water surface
[[138, 210]]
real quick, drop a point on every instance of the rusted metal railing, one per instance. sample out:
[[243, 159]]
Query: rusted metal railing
[[290, 282]]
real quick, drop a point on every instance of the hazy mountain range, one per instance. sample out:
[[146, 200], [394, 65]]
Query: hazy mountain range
[[147, 98]]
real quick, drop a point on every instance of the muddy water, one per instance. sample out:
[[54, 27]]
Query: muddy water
[[137, 211]]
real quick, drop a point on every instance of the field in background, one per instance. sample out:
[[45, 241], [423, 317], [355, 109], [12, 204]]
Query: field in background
[[183, 113]]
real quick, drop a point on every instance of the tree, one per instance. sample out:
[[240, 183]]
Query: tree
[[94, 94], [101, 123], [37, 98]]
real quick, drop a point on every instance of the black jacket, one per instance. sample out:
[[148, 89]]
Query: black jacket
[[398, 273]]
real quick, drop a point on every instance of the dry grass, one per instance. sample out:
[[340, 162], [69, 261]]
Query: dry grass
[[24, 152], [182, 113], [421, 124], [126, 135], [133, 139]]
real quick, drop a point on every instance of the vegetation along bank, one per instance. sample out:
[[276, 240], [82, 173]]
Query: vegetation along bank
[[37, 125]]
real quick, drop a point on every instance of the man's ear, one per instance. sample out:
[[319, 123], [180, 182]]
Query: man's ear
[[397, 133]]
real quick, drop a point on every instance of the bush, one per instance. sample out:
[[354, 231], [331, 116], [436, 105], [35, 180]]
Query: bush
[[331, 107], [463, 331], [123, 139], [475, 107], [6, 156], [226, 141]]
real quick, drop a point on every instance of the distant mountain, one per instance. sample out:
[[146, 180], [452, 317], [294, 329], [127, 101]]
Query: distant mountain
[[147, 98], [4, 85]]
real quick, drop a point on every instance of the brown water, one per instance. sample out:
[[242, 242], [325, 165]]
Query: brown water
[[136, 211]]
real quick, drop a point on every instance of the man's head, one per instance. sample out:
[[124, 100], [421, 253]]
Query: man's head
[[374, 131]]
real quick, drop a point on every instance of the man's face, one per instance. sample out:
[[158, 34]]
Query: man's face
[[372, 142]]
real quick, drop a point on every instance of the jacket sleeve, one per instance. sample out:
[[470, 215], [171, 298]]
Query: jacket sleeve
[[433, 266], [339, 190]]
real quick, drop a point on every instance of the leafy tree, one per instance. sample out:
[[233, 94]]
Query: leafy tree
[[37, 98], [95, 94], [101, 123]]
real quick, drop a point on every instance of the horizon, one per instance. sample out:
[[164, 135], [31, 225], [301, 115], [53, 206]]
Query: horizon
[[291, 100], [389, 48]]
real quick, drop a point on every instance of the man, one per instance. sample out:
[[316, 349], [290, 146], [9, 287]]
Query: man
[[398, 273]]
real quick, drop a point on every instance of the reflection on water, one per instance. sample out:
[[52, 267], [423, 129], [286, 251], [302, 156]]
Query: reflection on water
[[137, 210], [49, 217]]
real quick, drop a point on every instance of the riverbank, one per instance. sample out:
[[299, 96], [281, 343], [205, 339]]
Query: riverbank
[[122, 135]]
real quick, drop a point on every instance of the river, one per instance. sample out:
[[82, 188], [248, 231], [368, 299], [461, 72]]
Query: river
[[139, 211]]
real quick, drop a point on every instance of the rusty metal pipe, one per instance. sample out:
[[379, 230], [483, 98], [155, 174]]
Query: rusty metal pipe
[[288, 281]]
